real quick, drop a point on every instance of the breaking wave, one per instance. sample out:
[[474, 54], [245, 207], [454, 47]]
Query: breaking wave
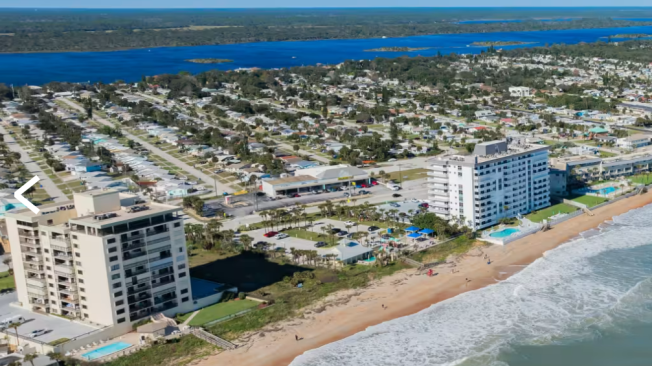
[[588, 285]]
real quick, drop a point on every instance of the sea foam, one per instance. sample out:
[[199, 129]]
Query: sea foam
[[575, 290]]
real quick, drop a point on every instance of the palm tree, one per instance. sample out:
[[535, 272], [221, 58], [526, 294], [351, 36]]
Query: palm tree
[[15, 326], [15, 363], [30, 358], [55, 356], [246, 241]]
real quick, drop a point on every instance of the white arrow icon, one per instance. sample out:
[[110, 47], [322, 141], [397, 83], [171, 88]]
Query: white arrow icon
[[19, 194]]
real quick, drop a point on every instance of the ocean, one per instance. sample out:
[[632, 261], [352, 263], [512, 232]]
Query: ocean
[[586, 302], [131, 65]]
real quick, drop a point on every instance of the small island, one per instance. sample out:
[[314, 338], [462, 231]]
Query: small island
[[397, 49], [499, 43], [630, 35], [209, 60]]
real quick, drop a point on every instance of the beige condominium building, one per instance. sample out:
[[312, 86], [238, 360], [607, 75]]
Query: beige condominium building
[[104, 257]]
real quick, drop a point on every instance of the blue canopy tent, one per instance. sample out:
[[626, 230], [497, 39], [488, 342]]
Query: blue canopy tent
[[414, 235], [427, 231], [412, 229]]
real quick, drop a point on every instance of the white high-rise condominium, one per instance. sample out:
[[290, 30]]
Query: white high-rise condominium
[[105, 257], [499, 180]]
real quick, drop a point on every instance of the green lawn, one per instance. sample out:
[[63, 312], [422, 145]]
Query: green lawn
[[590, 200], [6, 281], [550, 211], [305, 234], [175, 352], [641, 179], [410, 174], [220, 310]]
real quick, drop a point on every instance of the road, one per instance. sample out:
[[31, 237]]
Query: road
[[207, 180], [53, 191]]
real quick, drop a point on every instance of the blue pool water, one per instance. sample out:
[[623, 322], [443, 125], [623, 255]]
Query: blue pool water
[[504, 232], [603, 191], [105, 351]]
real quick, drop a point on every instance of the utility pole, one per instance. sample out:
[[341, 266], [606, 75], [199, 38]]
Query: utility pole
[[400, 176]]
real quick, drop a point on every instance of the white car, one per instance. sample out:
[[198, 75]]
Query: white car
[[38, 332], [281, 236], [349, 223]]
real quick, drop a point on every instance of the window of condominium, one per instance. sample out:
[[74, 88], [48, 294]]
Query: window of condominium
[[158, 220], [139, 224], [120, 228]]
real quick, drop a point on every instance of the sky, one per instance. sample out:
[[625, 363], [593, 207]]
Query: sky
[[105, 4]]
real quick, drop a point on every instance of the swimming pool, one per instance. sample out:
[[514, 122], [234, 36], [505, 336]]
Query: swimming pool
[[105, 351], [600, 192], [504, 232], [604, 191]]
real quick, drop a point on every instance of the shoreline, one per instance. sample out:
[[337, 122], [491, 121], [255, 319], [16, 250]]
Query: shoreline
[[346, 313]]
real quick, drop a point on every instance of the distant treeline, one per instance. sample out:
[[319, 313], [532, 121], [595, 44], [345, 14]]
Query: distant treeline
[[78, 30], [636, 51]]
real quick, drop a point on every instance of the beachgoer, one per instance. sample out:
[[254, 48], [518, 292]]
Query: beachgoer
[[296, 337]]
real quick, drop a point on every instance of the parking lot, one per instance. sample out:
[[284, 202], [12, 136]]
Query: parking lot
[[265, 203], [58, 328]]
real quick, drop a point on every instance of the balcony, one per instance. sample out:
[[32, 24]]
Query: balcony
[[127, 239], [71, 291], [130, 273], [146, 304], [166, 306], [62, 255], [134, 288], [64, 268], [438, 192], [132, 246], [40, 291], [64, 274], [69, 298], [128, 255], [36, 282], [133, 316], [163, 281], [33, 268], [30, 244], [151, 232], [146, 295], [164, 298], [63, 246], [33, 260]]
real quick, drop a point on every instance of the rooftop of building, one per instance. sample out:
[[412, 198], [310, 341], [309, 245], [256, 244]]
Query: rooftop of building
[[131, 207], [494, 150], [292, 179]]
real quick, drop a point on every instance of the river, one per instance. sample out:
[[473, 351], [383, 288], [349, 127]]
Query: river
[[130, 65]]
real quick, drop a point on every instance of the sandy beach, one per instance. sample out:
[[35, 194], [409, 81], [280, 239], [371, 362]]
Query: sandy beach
[[407, 292]]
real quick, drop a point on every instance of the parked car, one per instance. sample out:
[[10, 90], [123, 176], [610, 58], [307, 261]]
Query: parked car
[[374, 183], [335, 230], [396, 195], [296, 195], [363, 185], [342, 233], [320, 244], [38, 332], [394, 204], [424, 205], [349, 223], [346, 194], [390, 160], [218, 171], [362, 191], [281, 236], [373, 228], [270, 234]]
